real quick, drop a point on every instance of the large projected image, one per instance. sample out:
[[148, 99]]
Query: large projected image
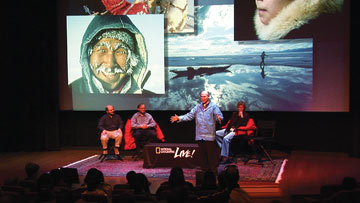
[[116, 54], [267, 75], [108, 64]]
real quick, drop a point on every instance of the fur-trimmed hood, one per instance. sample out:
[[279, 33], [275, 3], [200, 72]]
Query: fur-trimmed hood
[[293, 16], [89, 83]]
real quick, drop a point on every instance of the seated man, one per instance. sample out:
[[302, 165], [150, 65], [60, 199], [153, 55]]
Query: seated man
[[110, 126], [240, 123], [143, 126]]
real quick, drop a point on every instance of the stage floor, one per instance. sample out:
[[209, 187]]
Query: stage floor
[[305, 171]]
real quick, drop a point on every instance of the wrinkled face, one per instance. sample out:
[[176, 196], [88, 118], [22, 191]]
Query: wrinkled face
[[268, 9], [108, 61], [204, 97], [142, 109]]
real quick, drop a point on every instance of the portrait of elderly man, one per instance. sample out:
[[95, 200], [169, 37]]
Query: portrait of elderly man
[[113, 57]]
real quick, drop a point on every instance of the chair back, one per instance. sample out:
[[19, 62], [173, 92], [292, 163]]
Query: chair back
[[70, 175], [266, 128]]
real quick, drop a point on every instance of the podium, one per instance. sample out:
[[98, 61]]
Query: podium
[[161, 155]]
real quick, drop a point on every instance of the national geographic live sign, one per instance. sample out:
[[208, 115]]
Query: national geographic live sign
[[171, 154]]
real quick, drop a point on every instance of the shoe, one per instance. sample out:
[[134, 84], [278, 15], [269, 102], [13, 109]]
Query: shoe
[[119, 157]]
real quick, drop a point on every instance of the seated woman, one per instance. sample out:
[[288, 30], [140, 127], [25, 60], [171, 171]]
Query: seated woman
[[239, 124]]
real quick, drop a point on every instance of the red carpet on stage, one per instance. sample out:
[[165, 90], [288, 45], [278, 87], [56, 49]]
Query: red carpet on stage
[[250, 172]]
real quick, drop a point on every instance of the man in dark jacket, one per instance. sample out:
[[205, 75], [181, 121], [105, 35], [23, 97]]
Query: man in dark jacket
[[110, 126]]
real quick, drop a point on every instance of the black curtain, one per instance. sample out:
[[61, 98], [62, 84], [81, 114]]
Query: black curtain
[[29, 82]]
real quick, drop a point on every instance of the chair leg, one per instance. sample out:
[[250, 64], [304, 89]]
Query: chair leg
[[103, 157], [266, 153]]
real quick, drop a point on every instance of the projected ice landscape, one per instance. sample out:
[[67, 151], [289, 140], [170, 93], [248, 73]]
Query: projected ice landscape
[[267, 75]]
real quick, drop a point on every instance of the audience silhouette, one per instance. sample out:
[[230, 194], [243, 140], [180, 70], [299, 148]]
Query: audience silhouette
[[53, 186], [176, 189]]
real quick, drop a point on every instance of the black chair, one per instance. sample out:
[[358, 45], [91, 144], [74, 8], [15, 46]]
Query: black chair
[[264, 136], [70, 176], [259, 143], [110, 151]]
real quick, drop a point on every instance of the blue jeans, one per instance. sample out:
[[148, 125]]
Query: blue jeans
[[224, 141]]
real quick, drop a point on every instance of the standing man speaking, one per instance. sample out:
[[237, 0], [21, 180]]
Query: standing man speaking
[[205, 114]]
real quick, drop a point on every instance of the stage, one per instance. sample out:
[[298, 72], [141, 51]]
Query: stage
[[304, 173]]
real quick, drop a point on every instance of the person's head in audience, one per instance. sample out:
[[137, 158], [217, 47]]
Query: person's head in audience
[[349, 183], [232, 176], [32, 170], [176, 177], [209, 180], [141, 183], [93, 172], [93, 183], [131, 177]]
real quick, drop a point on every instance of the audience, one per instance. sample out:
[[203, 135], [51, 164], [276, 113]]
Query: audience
[[51, 187], [176, 189], [207, 185], [349, 183], [141, 184], [94, 182], [32, 171], [141, 189], [131, 177], [347, 191], [45, 190], [232, 178], [229, 189]]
